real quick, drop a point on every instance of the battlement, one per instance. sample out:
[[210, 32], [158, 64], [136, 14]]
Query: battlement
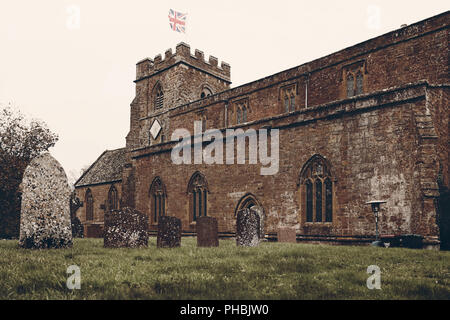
[[148, 67]]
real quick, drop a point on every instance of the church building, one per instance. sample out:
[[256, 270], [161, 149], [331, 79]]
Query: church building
[[369, 122]]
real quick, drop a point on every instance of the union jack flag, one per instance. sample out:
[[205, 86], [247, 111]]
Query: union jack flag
[[177, 21]]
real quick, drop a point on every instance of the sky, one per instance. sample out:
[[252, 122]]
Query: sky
[[71, 63]]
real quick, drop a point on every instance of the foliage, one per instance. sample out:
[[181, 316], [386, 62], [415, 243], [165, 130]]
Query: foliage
[[270, 271], [20, 141]]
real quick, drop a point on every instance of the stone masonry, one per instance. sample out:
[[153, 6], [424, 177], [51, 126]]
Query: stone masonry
[[367, 122], [45, 213]]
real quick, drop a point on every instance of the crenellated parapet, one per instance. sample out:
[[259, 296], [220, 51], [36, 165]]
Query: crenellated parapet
[[148, 67]]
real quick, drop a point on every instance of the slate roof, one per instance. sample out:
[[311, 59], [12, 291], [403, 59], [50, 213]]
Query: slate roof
[[107, 168]]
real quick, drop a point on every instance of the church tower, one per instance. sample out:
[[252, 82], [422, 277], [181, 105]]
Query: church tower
[[163, 84]]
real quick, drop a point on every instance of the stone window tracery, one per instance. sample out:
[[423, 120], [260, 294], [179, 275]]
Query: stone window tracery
[[158, 96], [113, 199], [288, 98], [317, 193], [158, 198], [198, 192]]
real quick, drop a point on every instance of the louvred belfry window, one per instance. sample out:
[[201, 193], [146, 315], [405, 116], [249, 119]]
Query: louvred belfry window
[[158, 97]]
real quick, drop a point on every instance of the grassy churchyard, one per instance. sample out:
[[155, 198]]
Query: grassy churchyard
[[269, 271]]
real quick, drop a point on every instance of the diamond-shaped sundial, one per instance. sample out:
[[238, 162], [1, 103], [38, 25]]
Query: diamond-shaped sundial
[[155, 129]]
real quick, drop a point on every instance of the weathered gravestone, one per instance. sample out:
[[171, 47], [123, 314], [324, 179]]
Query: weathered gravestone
[[125, 228], [287, 234], [247, 228], [169, 232], [45, 213], [207, 232]]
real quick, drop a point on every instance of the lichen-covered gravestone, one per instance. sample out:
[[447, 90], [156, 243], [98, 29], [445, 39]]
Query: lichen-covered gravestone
[[169, 232], [45, 213], [207, 232], [287, 234], [247, 228], [125, 228]]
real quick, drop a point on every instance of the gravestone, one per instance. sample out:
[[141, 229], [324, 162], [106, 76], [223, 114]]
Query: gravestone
[[247, 228], [45, 213], [169, 232], [207, 232], [125, 228], [287, 234]]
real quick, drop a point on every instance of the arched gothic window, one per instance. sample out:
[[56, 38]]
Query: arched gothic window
[[206, 92], [198, 193], [158, 198], [113, 199], [241, 112], [289, 98], [316, 183], [158, 96], [89, 200]]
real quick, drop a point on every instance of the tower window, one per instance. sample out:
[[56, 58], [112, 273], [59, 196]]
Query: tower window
[[158, 97], [206, 92]]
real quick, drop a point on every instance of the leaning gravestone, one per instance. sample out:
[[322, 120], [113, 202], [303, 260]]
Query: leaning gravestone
[[169, 232], [45, 213], [286, 234], [207, 232], [125, 228], [247, 228]]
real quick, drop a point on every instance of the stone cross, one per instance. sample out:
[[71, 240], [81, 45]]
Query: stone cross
[[45, 212], [247, 228], [125, 228], [207, 232], [169, 232], [286, 234]]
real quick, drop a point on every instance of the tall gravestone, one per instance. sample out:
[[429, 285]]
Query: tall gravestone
[[45, 213], [207, 232], [287, 234], [247, 228], [125, 228], [169, 232]]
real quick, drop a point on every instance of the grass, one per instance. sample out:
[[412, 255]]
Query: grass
[[269, 271]]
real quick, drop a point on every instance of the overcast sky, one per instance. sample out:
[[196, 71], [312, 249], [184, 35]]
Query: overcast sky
[[77, 74]]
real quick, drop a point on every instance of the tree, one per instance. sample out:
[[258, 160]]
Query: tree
[[20, 141]]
